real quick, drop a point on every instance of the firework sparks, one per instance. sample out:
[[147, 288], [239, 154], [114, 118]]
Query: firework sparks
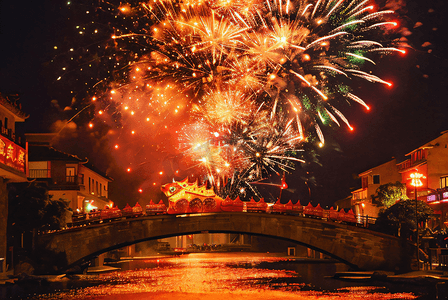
[[253, 80]]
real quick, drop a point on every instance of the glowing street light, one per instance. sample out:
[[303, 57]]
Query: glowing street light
[[417, 182]]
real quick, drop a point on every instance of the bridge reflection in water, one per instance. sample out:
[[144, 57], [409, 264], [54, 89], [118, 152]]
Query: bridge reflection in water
[[358, 247]]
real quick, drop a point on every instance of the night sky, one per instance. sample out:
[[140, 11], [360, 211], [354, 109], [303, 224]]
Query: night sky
[[401, 118]]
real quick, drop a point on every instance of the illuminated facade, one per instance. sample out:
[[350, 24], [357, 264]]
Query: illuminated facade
[[430, 159], [12, 163], [371, 180], [68, 177]]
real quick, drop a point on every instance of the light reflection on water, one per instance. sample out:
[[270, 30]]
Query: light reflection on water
[[217, 277]]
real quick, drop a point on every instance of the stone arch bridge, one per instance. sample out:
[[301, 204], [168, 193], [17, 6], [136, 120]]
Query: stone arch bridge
[[358, 247]]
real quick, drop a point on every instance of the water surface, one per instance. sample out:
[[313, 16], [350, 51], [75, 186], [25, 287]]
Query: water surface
[[247, 276]]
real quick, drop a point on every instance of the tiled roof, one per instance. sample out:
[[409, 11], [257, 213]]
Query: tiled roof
[[10, 102], [48, 153], [40, 153], [98, 171]]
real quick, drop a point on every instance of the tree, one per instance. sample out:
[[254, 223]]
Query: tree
[[400, 218], [30, 207], [388, 194]]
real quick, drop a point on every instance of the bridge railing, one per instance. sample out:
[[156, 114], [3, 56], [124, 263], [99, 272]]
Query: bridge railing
[[366, 221]]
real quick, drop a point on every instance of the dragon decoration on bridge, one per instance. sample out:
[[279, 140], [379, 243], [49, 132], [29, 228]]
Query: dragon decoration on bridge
[[185, 197]]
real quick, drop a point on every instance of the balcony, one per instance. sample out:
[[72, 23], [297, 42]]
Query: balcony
[[7, 133], [358, 195], [69, 182], [404, 165], [408, 164], [39, 173], [417, 158]]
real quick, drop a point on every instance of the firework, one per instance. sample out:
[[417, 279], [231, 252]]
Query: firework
[[241, 151], [254, 80]]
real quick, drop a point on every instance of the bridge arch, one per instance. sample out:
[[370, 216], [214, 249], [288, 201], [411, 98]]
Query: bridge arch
[[358, 247]]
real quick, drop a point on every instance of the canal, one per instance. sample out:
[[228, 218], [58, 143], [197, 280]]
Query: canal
[[247, 276]]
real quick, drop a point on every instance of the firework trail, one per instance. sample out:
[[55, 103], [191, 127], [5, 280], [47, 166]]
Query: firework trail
[[254, 80]]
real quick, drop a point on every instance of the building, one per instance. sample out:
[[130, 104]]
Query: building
[[67, 176], [12, 152], [370, 181], [430, 159], [13, 158]]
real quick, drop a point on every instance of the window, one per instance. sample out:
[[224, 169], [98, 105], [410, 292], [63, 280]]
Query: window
[[70, 175], [365, 182], [89, 186], [376, 179], [81, 178], [97, 188], [101, 189], [443, 181]]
